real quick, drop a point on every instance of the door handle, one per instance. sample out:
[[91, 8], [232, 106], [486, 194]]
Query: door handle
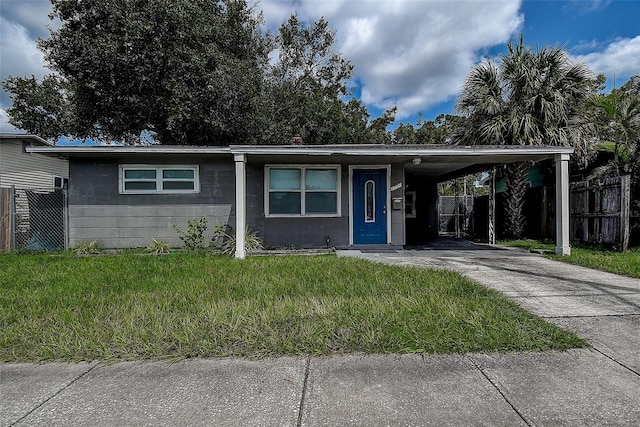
[[384, 209]]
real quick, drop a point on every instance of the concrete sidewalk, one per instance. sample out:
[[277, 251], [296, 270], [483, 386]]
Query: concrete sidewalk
[[598, 386]]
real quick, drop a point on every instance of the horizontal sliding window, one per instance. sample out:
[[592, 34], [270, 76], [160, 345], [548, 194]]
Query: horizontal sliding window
[[158, 179], [303, 191]]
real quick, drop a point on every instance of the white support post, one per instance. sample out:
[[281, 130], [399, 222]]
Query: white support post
[[562, 205], [241, 205], [492, 208]]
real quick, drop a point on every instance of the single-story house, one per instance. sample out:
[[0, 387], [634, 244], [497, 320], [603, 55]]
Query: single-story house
[[348, 196]]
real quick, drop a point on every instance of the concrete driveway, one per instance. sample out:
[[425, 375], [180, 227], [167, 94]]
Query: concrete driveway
[[596, 386]]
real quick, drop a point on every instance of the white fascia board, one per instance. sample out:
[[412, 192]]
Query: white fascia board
[[307, 150], [79, 150], [370, 150]]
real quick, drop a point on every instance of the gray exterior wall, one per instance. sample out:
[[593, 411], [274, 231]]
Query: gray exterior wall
[[97, 211], [312, 232], [301, 232], [25, 170], [397, 215]]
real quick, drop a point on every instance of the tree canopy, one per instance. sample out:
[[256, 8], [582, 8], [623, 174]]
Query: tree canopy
[[306, 94], [184, 69], [193, 72], [439, 131], [616, 119]]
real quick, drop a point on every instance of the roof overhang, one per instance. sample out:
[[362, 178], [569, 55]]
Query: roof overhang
[[436, 161], [34, 139], [128, 151]]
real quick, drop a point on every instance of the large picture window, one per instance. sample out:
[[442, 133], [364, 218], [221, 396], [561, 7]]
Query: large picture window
[[302, 190], [158, 179]]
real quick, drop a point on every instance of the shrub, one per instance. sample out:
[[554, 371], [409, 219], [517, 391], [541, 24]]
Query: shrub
[[158, 247], [193, 237], [252, 242], [221, 232], [87, 248]]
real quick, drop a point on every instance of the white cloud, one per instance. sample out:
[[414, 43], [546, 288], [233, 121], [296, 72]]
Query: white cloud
[[5, 126], [585, 6], [410, 53], [18, 52], [19, 55], [33, 15], [21, 22], [620, 58]]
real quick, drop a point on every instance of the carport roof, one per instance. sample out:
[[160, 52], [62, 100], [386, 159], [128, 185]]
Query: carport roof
[[438, 161]]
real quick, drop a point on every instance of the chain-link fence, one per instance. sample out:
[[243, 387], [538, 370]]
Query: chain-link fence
[[33, 219], [454, 213]]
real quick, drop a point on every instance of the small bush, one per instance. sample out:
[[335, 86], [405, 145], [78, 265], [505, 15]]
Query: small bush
[[193, 237], [158, 247], [252, 242], [87, 248], [221, 232]]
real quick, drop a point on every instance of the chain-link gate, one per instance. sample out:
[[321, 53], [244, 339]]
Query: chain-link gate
[[454, 213], [36, 220]]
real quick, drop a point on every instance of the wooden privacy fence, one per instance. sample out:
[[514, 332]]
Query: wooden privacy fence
[[600, 211], [6, 224]]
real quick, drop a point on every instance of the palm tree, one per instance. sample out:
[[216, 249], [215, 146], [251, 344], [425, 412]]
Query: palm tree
[[527, 97], [618, 124], [617, 120]]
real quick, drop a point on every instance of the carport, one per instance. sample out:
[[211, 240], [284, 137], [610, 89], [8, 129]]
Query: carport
[[426, 164]]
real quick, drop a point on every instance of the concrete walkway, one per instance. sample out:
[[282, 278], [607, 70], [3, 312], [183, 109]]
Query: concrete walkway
[[598, 386]]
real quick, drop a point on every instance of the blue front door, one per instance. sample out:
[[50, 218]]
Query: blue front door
[[369, 206]]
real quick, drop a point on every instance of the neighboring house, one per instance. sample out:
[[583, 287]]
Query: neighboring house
[[31, 214], [348, 196], [26, 170]]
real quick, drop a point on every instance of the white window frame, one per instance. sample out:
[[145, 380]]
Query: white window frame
[[303, 171], [159, 180]]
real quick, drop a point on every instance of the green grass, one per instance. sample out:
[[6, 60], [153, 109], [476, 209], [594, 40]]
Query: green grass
[[131, 307], [528, 245], [624, 263]]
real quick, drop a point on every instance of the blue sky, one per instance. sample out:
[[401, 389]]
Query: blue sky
[[413, 54]]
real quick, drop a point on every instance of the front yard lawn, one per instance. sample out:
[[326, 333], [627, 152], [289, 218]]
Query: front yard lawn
[[128, 307]]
